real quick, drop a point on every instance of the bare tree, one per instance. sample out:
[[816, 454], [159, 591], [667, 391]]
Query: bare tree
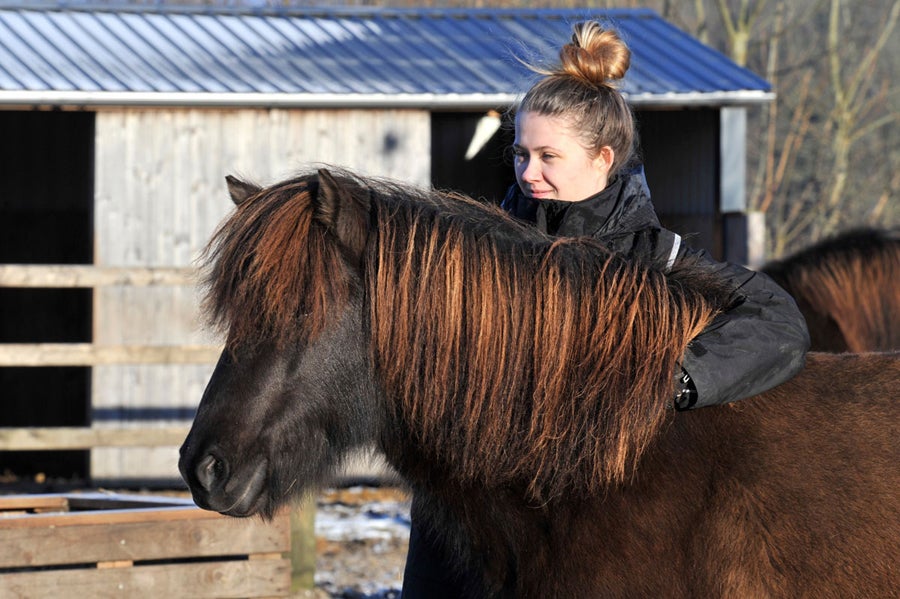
[[857, 98], [739, 25], [802, 147], [783, 128]]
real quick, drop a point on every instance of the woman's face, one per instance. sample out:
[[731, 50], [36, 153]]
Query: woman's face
[[551, 163]]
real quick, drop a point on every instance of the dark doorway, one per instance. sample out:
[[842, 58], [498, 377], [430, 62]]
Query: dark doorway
[[46, 218], [487, 172], [680, 151]]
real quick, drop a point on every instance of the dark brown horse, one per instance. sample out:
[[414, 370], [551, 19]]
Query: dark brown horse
[[520, 385], [848, 288]]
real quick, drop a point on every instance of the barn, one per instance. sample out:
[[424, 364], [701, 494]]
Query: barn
[[120, 122]]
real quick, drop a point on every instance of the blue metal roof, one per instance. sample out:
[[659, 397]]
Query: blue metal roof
[[67, 53]]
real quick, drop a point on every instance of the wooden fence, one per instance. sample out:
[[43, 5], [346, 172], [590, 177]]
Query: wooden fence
[[302, 518], [86, 354]]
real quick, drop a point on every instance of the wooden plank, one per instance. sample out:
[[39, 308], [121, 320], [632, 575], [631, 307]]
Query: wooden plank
[[33, 503], [65, 275], [94, 537], [121, 501], [303, 545], [257, 578], [84, 501], [124, 563], [108, 518], [59, 438], [87, 354]]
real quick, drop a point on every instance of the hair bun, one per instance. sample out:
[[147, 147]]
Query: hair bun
[[595, 55]]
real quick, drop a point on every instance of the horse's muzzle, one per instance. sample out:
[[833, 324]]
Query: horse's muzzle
[[216, 486]]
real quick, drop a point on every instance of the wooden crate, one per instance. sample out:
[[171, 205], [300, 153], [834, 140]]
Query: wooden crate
[[98, 545]]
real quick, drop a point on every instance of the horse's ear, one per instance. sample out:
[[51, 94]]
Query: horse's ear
[[344, 213], [240, 190]]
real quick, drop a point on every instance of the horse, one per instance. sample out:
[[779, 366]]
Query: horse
[[848, 289], [521, 386]]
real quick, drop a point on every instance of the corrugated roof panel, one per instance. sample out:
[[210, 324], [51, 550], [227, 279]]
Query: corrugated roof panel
[[283, 46], [268, 51], [201, 61], [29, 51], [388, 43], [109, 34], [470, 44], [66, 56], [340, 56], [15, 74], [78, 42], [139, 46]]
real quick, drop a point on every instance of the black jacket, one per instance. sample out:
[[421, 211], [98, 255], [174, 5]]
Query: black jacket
[[760, 342]]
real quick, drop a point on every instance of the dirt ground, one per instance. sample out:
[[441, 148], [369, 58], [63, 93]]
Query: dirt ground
[[362, 534]]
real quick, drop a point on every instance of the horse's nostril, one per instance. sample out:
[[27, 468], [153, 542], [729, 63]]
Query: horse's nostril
[[208, 470]]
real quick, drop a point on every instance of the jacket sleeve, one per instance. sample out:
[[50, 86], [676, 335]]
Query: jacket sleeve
[[757, 344]]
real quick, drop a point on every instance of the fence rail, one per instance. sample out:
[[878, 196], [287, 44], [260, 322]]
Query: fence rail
[[88, 354], [74, 438], [69, 275]]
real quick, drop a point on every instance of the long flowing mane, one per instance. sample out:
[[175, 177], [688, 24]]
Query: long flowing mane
[[511, 356]]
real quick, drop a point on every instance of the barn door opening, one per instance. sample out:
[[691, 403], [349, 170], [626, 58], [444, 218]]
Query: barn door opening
[[470, 153], [45, 218], [680, 151]]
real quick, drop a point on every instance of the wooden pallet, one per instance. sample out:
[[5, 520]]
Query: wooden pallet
[[98, 545]]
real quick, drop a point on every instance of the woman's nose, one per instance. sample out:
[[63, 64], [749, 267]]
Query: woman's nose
[[531, 171]]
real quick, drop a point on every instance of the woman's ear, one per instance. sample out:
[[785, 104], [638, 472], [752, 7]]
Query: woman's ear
[[605, 158]]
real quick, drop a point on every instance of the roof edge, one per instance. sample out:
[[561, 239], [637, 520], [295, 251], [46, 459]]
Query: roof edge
[[86, 99], [324, 8]]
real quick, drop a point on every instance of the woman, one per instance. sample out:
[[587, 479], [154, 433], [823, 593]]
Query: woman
[[574, 137]]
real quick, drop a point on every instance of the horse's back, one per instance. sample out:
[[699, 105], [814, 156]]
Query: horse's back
[[813, 483], [846, 287], [842, 393]]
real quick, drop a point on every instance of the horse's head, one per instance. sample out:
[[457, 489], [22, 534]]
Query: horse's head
[[291, 394]]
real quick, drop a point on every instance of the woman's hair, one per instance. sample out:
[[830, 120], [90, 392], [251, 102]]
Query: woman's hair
[[582, 89]]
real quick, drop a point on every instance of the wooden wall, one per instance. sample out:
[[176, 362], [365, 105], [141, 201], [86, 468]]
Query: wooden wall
[[159, 193]]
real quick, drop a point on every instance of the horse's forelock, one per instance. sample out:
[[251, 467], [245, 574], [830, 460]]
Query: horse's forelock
[[271, 272]]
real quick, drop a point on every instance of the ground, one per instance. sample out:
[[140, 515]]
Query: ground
[[362, 534]]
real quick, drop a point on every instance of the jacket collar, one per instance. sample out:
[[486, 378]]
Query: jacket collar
[[624, 205], [574, 219]]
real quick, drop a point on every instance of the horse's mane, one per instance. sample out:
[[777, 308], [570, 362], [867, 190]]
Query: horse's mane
[[851, 278], [511, 357]]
